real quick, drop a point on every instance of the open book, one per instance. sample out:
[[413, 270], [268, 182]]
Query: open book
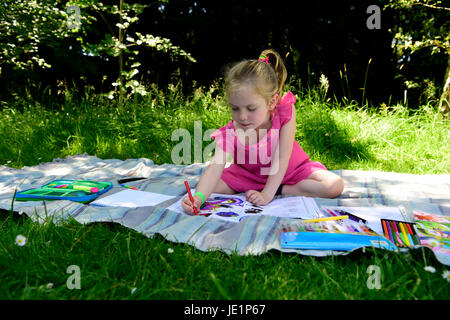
[[235, 208]]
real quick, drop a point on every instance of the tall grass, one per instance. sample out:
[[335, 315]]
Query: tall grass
[[386, 139], [118, 263], [391, 138]]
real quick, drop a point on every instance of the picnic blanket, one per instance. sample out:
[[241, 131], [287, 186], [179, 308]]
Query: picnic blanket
[[254, 235]]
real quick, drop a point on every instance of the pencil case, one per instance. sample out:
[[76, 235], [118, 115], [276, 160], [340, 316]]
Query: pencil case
[[75, 190], [332, 241], [402, 233]]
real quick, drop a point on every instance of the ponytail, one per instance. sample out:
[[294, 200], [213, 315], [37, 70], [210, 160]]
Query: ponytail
[[275, 61]]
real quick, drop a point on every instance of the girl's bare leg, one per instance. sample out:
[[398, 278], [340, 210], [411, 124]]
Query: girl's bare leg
[[321, 184]]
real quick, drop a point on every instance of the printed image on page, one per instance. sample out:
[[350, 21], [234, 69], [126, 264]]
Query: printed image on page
[[221, 206], [433, 231]]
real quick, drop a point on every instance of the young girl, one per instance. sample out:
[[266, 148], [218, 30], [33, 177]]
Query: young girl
[[267, 159]]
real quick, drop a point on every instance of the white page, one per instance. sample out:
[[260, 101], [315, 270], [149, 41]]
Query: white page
[[293, 207], [131, 199], [312, 206], [373, 215]]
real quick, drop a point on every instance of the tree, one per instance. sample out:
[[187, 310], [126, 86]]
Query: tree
[[24, 25], [119, 43], [27, 26], [433, 34]]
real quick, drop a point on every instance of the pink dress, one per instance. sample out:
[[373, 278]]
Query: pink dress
[[251, 165]]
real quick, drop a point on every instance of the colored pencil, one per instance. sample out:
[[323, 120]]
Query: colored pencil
[[386, 233], [394, 235], [350, 216], [325, 219], [405, 234], [397, 233], [413, 236], [410, 238], [389, 231], [190, 197], [84, 188], [408, 235], [354, 227], [339, 227], [362, 225], [402, 236], [127, 186]]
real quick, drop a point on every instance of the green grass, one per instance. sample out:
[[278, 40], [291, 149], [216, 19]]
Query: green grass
[[113, 260]]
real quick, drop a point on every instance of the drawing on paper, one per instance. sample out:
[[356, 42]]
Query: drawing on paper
[[226, 207], [216, 203]]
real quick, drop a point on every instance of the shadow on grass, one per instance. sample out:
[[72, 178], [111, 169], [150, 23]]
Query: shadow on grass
[[17, 218], [318, 133]]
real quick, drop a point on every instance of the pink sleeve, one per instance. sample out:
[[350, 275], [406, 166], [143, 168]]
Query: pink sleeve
[[224, 138], [285, 108]]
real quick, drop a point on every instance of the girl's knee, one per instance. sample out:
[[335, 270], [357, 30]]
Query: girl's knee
[[334, 187], [332, 184]]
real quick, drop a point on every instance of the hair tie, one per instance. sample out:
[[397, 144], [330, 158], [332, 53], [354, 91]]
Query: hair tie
[[264, 58], [198, 193]]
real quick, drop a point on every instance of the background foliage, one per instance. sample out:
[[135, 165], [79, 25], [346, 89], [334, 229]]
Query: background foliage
[[165, 42]]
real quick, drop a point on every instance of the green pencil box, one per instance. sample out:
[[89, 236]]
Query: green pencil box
[[75, 190]]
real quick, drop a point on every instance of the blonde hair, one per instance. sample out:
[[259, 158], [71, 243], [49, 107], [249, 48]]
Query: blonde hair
[[267, 77]]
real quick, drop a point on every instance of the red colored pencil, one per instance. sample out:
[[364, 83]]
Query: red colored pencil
[[190, 196], [409, 228], [413, 236]]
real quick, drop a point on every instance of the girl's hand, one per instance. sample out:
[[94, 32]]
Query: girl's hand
[[258, 198], [187, 204]]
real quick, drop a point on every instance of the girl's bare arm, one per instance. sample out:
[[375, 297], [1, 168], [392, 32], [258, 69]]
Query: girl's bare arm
[[280, 159], [208, 180]]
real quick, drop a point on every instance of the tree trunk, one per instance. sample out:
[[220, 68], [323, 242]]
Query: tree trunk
[[121, 36], [444, 102]]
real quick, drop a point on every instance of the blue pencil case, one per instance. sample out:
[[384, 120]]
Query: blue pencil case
[[74, 190], [333, 241]]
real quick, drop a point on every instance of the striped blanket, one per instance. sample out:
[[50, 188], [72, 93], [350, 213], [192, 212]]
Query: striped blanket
[[254, 235]]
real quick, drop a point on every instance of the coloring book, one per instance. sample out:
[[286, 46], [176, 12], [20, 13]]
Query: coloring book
[[434, 232], [234, 208]]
